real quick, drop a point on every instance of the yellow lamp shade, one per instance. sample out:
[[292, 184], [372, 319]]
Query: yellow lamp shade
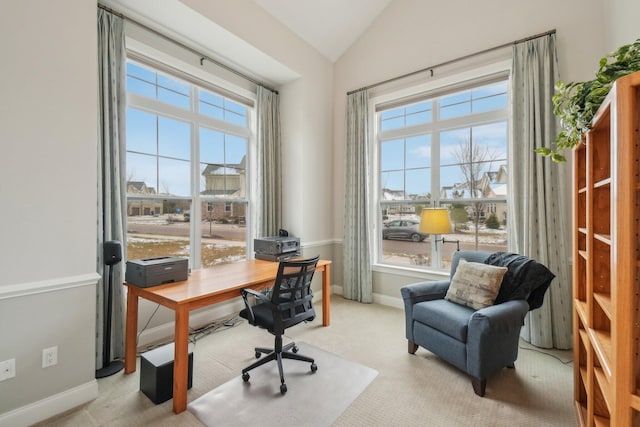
[[435, 221]]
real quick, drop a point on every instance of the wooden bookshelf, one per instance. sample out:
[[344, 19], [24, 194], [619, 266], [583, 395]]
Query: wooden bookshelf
[[606, 272]]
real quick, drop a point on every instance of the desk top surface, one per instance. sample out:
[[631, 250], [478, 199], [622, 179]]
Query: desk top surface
[[217, 280]]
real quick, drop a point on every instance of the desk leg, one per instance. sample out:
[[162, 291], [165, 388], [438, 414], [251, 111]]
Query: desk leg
[[181, 360], [130, 332], [326, 295]]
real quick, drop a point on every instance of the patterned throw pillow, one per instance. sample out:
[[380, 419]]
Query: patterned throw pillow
[[475, 285]]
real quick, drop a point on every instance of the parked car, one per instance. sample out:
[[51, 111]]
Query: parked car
[[403, 229]]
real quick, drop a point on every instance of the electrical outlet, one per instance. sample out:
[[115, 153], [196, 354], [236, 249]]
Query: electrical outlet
[[50, 356], [7, 369]]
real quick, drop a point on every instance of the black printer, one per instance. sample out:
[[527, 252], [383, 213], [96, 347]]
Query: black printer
[[156, 271]]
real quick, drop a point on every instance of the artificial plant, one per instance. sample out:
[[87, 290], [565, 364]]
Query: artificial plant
[[576, 103]]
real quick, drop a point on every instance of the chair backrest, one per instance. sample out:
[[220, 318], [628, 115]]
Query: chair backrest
[[292, 293], [469, 256]]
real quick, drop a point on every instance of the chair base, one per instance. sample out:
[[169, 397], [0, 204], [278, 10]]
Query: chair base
[[278, 353]]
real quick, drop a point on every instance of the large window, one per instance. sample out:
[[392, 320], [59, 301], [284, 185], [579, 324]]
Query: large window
[[186, 169], [445, 150]]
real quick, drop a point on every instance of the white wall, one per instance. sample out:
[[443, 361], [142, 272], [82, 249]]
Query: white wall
[[413, 34], [48, 132], [621, 22]]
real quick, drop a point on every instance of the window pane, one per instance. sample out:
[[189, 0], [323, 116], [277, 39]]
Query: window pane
[[490, 103], [418, 184], [236, 150], [173, 98], [157, 228], [455, 110], [393, 123], [174, 138], [418, 151], [211, 111], [402, 242], [141, 131], [454, 146], [224, 233], [392, 155], [493, 136], [392, 185], [141, 87], [211, 146], [174, 177], [140, 73], [142, 170]]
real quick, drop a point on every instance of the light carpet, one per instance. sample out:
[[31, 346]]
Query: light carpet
[[312, 399]]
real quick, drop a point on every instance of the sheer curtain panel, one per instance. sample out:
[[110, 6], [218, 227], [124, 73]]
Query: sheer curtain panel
[[541, 206], [269, 178], [111, 185], [357, 284]]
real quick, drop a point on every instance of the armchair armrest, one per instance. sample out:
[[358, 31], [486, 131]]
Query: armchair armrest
[[424, 291], [493, 337], [418, 292]]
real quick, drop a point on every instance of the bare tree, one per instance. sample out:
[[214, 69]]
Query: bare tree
[[474, 160]]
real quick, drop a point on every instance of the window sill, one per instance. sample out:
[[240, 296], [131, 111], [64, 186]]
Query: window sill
[[410, 272]]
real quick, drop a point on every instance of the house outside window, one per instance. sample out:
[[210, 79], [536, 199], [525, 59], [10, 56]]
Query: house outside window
[[187, 168], [442, 148]]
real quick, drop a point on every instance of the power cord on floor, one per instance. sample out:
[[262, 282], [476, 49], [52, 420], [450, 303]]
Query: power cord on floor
[[194, 333], [569, 362]]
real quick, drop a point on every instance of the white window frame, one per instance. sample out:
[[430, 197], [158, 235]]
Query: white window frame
[[165, 63], [432, 87]]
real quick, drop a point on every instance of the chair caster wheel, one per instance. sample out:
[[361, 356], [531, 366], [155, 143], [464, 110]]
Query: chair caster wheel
[[283, 388], [314, 367], [258, 354], [295, 349], [245, 377]]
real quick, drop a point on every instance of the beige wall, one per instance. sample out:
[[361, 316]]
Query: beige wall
[[48, 129]]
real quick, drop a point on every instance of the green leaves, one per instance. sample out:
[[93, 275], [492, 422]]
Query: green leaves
[[576, 103]]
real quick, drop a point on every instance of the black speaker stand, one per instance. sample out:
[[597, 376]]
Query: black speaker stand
[[108, 367]]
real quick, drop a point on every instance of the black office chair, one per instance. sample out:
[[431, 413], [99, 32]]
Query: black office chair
[[289, 304]]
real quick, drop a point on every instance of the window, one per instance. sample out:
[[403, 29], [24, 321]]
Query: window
[[449, 150], [187, 169]]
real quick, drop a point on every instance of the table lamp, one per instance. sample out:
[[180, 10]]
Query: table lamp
[[436, 221]]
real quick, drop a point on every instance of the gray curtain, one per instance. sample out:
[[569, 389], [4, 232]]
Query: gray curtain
[[357, 282], [269, 203], [539, 205], [111, 185]]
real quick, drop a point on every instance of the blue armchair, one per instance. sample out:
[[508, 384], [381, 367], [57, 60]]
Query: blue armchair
[[479, 342]]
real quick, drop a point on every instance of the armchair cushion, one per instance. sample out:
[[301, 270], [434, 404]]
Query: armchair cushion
[[447, 317], [475, 285]]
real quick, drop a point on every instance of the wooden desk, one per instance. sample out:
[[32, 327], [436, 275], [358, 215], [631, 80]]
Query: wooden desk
[[204, 287]]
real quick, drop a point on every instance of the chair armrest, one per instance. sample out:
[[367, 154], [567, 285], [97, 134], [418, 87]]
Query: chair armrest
[[245, 297], [424, 291], [418, 292], [493, 337]]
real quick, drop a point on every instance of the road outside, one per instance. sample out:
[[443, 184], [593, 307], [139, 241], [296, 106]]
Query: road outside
[[154, 236]]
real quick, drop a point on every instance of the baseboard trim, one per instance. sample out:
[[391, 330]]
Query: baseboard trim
[[377, 298], [50, 406], [56, 284]]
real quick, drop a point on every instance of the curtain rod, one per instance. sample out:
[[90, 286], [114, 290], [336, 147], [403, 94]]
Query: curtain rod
[[190, 49], [462, 58]]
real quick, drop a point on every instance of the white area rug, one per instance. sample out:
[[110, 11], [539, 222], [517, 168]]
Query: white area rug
[[312, 399]]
